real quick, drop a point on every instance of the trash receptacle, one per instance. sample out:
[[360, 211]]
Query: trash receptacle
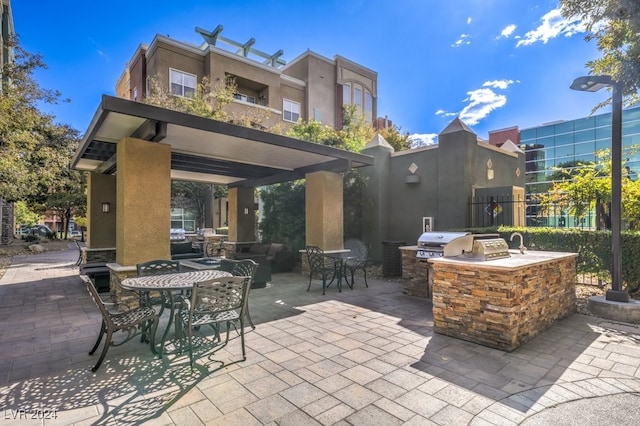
[[392, 258]]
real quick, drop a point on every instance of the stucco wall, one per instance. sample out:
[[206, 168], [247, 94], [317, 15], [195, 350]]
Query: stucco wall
[[101, 230], [444, 178]]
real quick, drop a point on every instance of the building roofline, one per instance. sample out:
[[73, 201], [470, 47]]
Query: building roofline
[[306, 53]]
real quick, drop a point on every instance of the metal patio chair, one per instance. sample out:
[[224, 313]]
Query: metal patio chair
[[136, 321], [158, 267], [213, 303], [242, 268], [360, 261], [321, 265]]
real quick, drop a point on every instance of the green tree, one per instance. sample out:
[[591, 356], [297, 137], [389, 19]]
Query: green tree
[[314, 131], [193, 195], [615, 26], [24, 215], [35, 152], [399, 141], [582, 189], [23, 128], [355, 132], [207, 101], [284, 214]]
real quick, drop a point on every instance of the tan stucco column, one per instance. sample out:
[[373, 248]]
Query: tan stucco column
[[144, 201], [324, 210], [242, 214], [101, 229]]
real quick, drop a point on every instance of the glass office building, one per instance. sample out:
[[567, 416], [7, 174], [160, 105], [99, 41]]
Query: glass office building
[[566, 144]]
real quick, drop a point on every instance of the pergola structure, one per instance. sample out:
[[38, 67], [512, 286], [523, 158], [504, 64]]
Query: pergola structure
[[133, 151]]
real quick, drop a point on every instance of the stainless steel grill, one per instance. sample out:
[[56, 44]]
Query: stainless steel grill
[[444, 244], [453, 244], [489, 249]]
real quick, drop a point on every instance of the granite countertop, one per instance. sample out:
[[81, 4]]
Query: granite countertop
[[515, 261]]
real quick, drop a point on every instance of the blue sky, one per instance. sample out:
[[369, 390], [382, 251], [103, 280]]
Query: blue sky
[[493, 63]]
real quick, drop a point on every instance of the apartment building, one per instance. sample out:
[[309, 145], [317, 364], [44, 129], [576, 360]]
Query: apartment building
[[310, 86]]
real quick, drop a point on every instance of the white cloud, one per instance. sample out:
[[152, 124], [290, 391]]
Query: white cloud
[[553, 25], [461, 41], [445, 114], [507, 31], [481, 103], [498, 84], [469, 20], [423, 139]]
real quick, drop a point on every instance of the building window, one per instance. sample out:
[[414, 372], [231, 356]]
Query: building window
[[290, 110], [182, 83], [183, 219], [368, 106], [244, 98], [135, 93], [346, 94], [357, 96], [317, 114]]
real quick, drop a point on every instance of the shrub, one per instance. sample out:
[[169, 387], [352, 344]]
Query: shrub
[[593, 248]]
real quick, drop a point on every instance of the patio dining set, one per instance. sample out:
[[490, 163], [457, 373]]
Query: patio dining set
[[216, 296]]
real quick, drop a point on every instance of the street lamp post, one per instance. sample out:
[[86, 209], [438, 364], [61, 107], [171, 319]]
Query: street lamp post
[[593, 84]]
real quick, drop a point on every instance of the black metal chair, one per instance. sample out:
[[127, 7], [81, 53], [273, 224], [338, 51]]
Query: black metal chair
[[242, 268], [136, 321], [212, 303], [361, 260], [321, 265], [157, 267]]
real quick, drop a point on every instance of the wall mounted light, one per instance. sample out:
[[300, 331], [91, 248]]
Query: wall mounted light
[[106, 207], [246, 210]]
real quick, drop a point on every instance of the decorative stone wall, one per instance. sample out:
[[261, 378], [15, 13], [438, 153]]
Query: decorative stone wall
[[416, 275], [123, 299], [501, 307], [104, 255]]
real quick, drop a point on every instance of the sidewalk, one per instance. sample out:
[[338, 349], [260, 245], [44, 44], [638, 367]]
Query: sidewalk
[[366, 356]]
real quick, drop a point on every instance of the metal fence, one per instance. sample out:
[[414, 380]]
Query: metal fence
[[506, 210]]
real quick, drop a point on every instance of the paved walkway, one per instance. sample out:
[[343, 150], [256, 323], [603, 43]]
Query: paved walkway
[[366, 356]]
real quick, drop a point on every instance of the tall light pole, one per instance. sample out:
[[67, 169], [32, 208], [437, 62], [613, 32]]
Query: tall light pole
[[593, 83]]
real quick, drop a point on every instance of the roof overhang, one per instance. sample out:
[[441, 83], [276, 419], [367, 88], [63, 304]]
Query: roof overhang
[[206, 150]]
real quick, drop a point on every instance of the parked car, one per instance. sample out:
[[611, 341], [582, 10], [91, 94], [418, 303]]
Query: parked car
[[75, 234], [42, 231]]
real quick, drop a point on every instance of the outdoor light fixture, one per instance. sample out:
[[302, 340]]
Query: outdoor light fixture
[[593, 83], [246, 210], [106, 207]]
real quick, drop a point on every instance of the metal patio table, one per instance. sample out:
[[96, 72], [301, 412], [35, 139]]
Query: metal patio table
[[341, 259], [166, 284]]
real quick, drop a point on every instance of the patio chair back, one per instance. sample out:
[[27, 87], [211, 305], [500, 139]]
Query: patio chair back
[[320, 265], [360, 262], [157, 267], [134, 322], [242, 268]]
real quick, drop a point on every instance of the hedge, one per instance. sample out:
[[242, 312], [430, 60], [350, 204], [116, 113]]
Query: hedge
[[593, 248]]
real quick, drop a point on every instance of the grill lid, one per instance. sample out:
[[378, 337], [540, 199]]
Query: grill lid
[[437, 244]]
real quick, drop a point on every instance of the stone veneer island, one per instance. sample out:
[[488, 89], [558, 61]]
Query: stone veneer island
[[502, 303]]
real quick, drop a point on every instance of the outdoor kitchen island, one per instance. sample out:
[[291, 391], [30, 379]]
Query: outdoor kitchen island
[[502, 303]]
